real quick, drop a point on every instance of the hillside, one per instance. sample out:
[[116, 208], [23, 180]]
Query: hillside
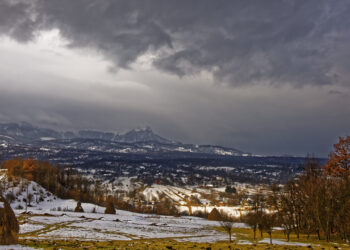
[[49, 219]]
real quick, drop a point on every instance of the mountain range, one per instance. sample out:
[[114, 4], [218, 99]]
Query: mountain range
[[140, 140]]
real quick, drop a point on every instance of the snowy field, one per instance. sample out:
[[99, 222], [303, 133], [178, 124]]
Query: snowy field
[[124, 226], [51, 218]]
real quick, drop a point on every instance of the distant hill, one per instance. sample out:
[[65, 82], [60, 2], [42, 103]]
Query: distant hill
[[141, 140], [143, 154]]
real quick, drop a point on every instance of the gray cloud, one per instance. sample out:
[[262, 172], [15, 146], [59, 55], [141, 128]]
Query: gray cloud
[[239, 42], [17, 20]]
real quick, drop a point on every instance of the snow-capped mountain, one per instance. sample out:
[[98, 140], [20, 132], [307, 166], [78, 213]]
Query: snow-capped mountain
[[25, 133], [141, 140], [141, 135]]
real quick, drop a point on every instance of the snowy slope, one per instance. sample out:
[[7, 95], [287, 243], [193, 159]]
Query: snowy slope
[[49, 217]]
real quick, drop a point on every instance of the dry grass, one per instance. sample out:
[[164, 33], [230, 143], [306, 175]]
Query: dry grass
[[148, 244]]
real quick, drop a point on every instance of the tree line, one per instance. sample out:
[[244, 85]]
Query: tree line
[[67, 183], [315, 202], [64, 183]]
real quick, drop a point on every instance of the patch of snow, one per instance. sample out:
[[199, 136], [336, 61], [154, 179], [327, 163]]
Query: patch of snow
[[182, 149], [223, 152], [7, 137], [15, 247], [28, 227], [47, 138], [282, 242]]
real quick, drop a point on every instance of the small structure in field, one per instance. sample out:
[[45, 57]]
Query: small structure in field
[[110, 207], [214, 215], [9, 227], [79, 208]]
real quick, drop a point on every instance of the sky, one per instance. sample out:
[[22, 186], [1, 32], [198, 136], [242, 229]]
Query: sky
[[266, 77]]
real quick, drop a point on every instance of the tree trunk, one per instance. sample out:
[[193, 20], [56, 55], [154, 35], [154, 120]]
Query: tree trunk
[[318, 234], [27, 196], [297, 232], [270, 234]]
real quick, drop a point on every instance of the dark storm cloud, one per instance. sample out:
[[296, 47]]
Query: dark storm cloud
[[240, 42], [300, 46], [16, 19]]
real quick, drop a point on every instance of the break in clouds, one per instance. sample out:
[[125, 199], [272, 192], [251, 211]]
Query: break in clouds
[[264, 76]]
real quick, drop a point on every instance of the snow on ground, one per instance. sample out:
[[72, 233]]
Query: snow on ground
[[177, 194], [122, 226], [50, 217], [125, 184], [15, 247], [125, 226], [282, 242], [232, 211], [29, 227], [205, 239]]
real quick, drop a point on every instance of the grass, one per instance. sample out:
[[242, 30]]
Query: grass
[[248, 235], [147, 244]]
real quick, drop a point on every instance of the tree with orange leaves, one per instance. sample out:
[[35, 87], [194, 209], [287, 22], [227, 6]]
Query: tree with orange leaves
[[338, 163], [29, 168]]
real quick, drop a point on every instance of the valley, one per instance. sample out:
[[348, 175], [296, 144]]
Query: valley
[[50, 221]]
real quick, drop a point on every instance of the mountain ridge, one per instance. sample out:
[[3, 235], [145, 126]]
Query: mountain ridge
[[137, 140]]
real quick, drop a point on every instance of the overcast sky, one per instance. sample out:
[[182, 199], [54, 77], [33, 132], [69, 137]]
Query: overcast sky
[[267, 77]]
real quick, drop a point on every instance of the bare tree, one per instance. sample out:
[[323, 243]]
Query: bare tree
[[227, 223], [252, 220], [268, 222]]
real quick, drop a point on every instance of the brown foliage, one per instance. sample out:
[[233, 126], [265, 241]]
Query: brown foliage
[[9, 227], [338, 163], [110, 206], [252, 219], [315, 202], [165, 207], [64, 183]]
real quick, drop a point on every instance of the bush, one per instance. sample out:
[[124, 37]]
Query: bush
[[19, 207], [10, 197]]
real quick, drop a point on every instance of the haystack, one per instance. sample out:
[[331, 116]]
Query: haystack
[[9, 227], [214, 215], [110, 207], [79, 208]]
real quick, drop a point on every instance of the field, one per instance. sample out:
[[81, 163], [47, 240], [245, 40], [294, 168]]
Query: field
[[126, 230]]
